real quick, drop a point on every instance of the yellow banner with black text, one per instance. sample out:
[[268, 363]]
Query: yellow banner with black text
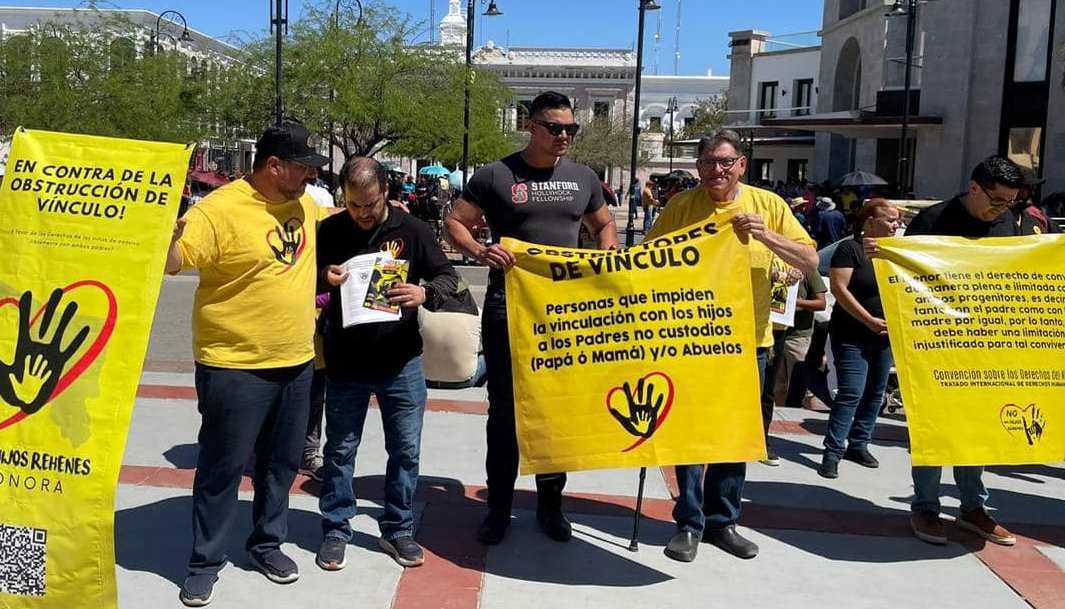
[[977, 328], [84, 226], [640, 357]]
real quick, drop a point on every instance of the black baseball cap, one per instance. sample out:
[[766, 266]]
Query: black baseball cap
[[290, 142]]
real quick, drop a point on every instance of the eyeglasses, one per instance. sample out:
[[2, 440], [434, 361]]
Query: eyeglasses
[[556, 129], [725, 162], [999, 202]]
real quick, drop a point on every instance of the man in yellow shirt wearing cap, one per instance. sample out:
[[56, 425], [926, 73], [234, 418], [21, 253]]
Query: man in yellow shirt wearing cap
[[253, 241]]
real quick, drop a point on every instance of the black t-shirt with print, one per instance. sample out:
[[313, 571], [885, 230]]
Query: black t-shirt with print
[[843, 326], [543, 206], [380, 350]]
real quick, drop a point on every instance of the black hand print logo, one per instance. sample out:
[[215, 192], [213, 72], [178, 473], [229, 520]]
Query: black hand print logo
[[644, 407], [286, 241], [28, 381], [1034, 426]]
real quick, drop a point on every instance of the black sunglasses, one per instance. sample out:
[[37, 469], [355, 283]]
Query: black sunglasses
[[556, 129]]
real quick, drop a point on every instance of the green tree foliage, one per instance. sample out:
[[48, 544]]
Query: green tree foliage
[[708, 116], [603, 143], [378, 92], [101, 79], [362, 76]]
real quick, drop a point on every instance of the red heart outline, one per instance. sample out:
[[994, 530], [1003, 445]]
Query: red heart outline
[[90, 354], [303, 241], [661, 416]]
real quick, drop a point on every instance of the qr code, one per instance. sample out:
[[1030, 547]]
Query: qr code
[[22, 560]]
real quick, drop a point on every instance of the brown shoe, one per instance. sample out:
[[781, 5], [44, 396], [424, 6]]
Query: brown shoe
[[811, 402], [928, 527], [980, 522]]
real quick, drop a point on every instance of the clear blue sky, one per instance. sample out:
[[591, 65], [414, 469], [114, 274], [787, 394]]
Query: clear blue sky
[[552, 23]]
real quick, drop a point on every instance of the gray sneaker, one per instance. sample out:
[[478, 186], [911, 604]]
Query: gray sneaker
[[403, 550], [277, 567], [331, 554]]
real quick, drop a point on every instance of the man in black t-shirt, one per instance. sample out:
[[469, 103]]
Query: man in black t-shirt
[[538, 196], [984, 210]]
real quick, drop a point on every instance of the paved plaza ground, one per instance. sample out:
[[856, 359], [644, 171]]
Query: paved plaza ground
[[843, 542]]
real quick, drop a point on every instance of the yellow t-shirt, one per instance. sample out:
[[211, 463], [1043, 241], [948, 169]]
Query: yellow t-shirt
[[695, 207], [254, 306]]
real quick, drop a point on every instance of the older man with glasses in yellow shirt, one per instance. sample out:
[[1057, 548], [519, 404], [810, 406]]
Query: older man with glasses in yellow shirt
[[709, 503], [253, 241]]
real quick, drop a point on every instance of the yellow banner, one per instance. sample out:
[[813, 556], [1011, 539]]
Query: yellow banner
[[84, 227], [635, 358], [977, 328]]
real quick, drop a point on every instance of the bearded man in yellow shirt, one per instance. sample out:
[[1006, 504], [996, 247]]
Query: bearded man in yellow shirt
[[709, 503], [253, 241]]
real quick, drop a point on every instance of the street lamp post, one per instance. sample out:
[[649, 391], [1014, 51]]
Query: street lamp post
[[493, 11], [672, 108], [332, 91], [279, 27], [634, 192], [185, 37], [910, 12]]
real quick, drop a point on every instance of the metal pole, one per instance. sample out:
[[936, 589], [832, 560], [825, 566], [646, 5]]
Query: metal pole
[[904, 161], [332, 100], [470, 7], [672, 118], [279, 24], [630, 228], [634, 544]]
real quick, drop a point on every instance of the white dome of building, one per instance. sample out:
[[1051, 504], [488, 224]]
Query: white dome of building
[[453, 26]]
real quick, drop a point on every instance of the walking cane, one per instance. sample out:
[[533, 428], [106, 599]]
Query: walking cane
[[633, 543]]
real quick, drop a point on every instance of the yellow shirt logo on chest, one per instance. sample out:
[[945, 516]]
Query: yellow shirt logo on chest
[[287, 242]]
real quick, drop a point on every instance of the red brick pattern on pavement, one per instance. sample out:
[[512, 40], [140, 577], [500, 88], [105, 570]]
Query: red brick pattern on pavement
[[453, 574]]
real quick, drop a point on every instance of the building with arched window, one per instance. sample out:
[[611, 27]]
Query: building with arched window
[[986, 78]]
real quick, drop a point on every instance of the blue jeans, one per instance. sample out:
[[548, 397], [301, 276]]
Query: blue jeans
[[926, 488], [402, 402], [649, 219], [712, 501], [862, 371]]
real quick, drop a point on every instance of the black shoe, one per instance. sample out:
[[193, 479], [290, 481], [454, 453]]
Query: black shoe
[[277, 567], [198, 589], [683, 546], [493, 529], [862, 457], [331, 554], [403, 550], [730, 541], [554, 523], [829, 466]]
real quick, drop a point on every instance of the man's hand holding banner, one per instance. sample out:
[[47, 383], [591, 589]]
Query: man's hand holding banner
[[978, 334], [634, 358]]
